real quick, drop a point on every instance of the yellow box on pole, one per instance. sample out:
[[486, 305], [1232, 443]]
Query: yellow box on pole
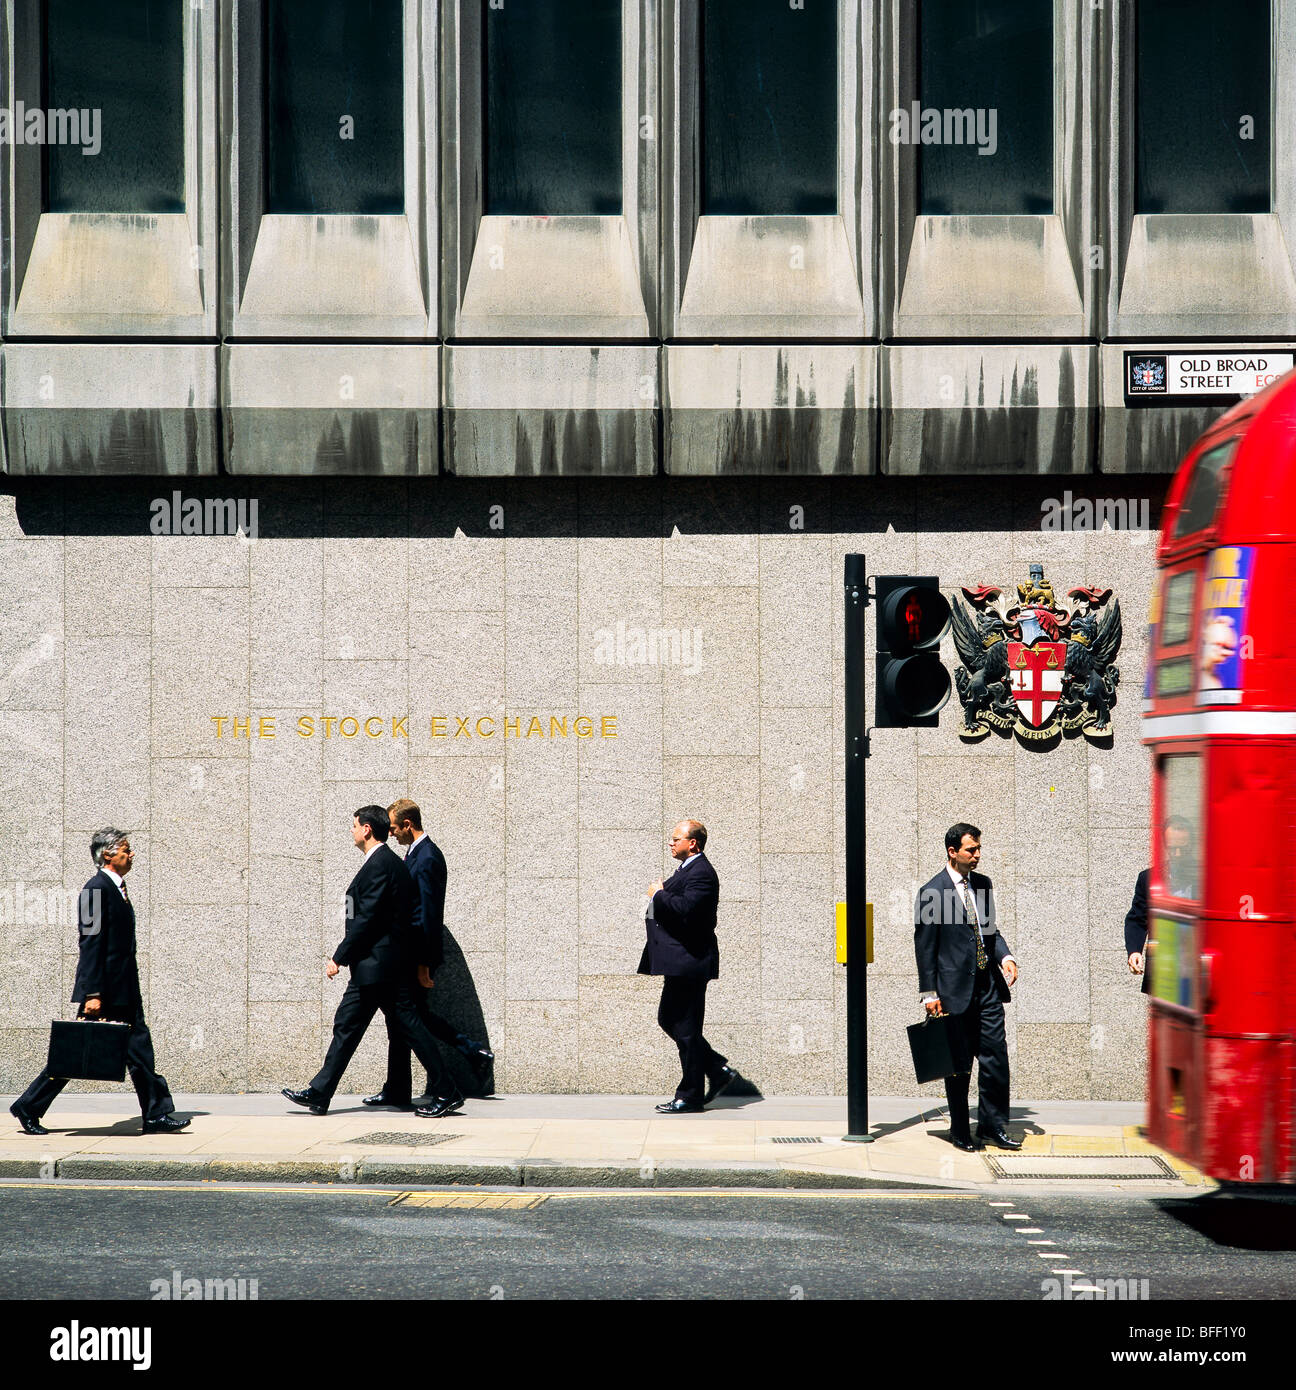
[[841, 933]]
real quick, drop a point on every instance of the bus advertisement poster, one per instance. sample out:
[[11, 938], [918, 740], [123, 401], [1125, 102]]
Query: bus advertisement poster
[[1224, 622]]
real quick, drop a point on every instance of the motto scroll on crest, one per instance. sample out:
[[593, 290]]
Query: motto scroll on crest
[[1034, 667]]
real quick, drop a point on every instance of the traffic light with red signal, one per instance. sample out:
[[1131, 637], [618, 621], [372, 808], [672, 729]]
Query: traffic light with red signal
[[912, 683]]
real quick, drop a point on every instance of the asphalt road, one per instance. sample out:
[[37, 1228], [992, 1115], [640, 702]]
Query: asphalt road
[[99, 1241]]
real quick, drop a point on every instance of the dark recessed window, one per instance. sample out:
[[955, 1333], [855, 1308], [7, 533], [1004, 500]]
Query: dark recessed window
[[334, 106], [769, 107], [1202, 106], [1205, 488], [116, 73], [552, 95], [984, 133]]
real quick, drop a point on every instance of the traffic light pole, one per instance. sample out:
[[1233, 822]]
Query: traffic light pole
[[857, 751]]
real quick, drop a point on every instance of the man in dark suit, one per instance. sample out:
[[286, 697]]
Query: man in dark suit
[[1180, 873], [682, 947], [1136, 929], [427, 869], [107, 988], [379, 949], [965, 969]]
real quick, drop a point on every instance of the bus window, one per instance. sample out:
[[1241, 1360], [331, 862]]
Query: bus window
[[1178, 868], [1180, 854], [1177, 608], [1205, 488]]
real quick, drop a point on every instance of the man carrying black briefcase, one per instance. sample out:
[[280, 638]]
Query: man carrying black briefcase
[[107, 989], [964, 970]]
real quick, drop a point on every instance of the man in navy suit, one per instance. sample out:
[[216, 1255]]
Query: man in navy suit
[[1181, 874], [965, 969], [682, 947], [107, 987], [427, 869], [379, 948]]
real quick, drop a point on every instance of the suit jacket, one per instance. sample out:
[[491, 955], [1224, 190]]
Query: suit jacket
[[427, 867], [945, 946], [1136, 924], [379, 943], [682, 929], [106, 922]]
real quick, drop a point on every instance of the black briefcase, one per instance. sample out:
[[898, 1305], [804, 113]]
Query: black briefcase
[[85, 1050], [939, 1048]]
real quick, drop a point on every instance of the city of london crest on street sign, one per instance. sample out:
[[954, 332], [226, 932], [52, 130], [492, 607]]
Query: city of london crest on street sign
[[1035, 667]]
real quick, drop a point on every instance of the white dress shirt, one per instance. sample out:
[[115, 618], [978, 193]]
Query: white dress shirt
[[688, 859], [960, 883]]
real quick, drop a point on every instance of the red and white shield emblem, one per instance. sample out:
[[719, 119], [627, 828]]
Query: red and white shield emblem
[[1036, 673]]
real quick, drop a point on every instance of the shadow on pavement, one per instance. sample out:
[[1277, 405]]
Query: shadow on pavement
[[1241, 1222]]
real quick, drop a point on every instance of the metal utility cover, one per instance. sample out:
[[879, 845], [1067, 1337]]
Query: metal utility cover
[[384, 1137], [1148, 1167]]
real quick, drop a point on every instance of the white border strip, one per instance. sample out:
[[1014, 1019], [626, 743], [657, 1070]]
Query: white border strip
[[1223, 721]]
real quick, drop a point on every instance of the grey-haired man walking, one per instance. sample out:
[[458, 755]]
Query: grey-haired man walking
[[107, 988]]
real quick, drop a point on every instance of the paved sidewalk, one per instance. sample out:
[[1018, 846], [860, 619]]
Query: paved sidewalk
[[584, 1141]]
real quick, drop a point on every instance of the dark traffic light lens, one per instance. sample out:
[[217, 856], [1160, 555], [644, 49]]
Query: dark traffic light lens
[[917, 686]]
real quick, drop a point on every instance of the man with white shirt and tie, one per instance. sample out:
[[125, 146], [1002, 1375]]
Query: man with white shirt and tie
[[427, 870], [380, 951], [965, 969], [107, 988]]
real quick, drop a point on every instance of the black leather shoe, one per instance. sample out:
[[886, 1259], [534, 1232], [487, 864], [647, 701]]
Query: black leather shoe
[[30, 1124], [440, 1107], [964, 1142], [312, 1100], [719, 1084], [168, 1124], [382, 1098], [998, 1138], [678, 1107]]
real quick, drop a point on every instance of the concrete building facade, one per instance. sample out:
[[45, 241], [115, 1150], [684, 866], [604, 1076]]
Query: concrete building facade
[[552, 362]]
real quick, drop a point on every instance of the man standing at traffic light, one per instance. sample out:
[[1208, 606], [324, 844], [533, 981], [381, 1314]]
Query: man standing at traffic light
[[965, 969]]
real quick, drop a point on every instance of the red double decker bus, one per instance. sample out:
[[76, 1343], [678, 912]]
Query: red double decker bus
[[1220, 722]]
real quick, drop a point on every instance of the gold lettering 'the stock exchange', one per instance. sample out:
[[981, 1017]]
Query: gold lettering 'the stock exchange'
[[449, 726]]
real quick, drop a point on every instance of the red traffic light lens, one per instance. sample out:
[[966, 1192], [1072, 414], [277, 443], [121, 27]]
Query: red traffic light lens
[[914, 617]]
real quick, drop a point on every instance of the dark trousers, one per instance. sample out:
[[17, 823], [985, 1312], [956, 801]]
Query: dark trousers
[[353, 1017], [983, 1026], [154, 1096], [683, 1003], [399, 1083]]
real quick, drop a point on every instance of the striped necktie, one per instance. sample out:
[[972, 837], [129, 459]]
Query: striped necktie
[[976, 930]]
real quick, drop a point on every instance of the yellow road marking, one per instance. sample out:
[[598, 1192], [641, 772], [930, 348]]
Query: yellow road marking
[[492, 1201], [59, 1185], [855, 1194]]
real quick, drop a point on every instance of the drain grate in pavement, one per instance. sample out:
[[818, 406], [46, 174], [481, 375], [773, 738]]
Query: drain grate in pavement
[[423, 1139], [796, 1139], [1149, 1167], [486, 1201]]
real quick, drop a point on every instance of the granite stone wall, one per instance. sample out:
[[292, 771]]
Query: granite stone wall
[[538, 599]]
